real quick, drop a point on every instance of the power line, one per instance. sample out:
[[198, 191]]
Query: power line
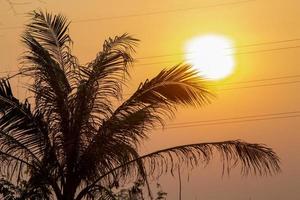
[[237, 118], [261, 85], [163, 11], [268, 50], [234, 121], [260, 80], [235, 47], [266, 43], [241, 53], [147, 13], [12, 5]]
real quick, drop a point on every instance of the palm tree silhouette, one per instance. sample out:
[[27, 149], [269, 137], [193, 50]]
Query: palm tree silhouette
[[74, 143]]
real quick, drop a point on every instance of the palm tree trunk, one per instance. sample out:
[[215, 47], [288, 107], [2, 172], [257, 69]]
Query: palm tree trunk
[[70, 187]]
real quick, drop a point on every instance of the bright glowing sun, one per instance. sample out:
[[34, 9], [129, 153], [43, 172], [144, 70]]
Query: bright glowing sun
[[211, 55]]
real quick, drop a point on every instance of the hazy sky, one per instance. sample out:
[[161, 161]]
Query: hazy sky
[[266, 80]]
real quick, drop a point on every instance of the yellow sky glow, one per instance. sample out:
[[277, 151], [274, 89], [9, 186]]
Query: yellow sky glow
[[266, 36], [211, 55]]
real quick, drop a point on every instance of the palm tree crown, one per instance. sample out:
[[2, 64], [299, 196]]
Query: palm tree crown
[[75, 144]]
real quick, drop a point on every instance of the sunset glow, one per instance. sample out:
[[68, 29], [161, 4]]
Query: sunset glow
[[148, 100], [211, 55]]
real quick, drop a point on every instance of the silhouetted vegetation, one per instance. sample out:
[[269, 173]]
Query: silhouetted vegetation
[[136, 192], [73, 143]]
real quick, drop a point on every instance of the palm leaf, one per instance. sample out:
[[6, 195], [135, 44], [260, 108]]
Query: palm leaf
[[152, 101], [51, 31], [130, 123], [100, 81], [23, 135], [51, 88], [254, 159]]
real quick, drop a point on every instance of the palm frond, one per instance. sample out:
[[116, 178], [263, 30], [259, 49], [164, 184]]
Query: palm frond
[[254, 159], [106, 72], [154, 100], [51, 89], [145, 109], [179, 85], [23, 135], [48, 60], [103, 77], [101, 81], [51, 31]]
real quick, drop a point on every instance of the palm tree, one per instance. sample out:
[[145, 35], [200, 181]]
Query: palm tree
[[73, 143]]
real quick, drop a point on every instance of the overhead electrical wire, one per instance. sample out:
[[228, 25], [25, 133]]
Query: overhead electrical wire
[[235, 47], [233, 122], [242, 119], [261, 80], [148, 13], [164, 11], [238, 118], [241, 53], [260, 85]]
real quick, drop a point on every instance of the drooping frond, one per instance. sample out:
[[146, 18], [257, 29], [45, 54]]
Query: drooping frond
[[154, 100], [23, 134], [251, 158], [179, 85]]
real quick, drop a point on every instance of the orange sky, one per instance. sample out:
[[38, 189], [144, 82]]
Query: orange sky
[[244, 22]]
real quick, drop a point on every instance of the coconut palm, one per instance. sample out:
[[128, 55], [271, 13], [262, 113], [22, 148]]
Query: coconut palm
[[75, 143]]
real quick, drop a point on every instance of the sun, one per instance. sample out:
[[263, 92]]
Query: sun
[[211, 55]]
